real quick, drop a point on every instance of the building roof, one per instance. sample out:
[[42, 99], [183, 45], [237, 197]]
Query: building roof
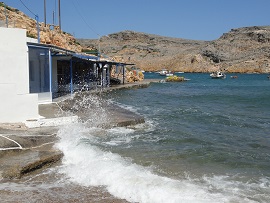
[[58, 51]]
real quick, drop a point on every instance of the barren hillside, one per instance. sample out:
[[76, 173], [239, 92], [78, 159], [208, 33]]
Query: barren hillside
[[49, 34], [240, 50]]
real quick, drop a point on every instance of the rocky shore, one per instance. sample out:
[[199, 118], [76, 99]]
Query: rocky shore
[[27, 149]]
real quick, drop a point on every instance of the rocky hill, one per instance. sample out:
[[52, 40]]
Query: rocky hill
[[49, 34], [240, 50]]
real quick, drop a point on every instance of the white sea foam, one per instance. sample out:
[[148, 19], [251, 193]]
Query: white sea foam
[[88, 165], [85, 163], [120, 130], [119, 136], [125, 106]]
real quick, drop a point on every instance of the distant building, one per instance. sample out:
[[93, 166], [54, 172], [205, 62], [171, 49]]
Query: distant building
[[33, 73]]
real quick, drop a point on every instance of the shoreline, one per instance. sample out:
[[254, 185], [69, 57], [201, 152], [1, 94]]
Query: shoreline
[[25, 150]]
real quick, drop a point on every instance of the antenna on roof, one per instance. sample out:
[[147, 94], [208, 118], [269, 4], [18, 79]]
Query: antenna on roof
[[6, 14], [59, 17], [37, 19], [45, 12]]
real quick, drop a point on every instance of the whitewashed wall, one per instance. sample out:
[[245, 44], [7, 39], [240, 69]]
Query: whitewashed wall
[[16, 104]]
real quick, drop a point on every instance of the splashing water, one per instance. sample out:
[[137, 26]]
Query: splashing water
[[90, 160], [90, 108], [88, 165]]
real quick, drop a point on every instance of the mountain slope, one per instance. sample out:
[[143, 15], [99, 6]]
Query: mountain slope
[[49, 34], [240, 50]]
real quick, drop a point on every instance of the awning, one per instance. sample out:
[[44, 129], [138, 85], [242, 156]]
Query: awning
[[58, 51], [86, 57]]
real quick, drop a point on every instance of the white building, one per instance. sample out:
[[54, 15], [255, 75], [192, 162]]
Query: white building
[[33, 73], [16, 103]]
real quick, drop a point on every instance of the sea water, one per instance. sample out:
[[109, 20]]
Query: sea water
[[204, 140]]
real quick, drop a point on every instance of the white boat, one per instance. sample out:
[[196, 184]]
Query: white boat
[[169, 74], [217, 75], [163, 72]]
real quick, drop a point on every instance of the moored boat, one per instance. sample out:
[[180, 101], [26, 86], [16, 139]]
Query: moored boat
[[169, 73], [217, 75], [163, 72]]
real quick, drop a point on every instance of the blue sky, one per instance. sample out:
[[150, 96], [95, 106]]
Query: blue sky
[[188, 19]]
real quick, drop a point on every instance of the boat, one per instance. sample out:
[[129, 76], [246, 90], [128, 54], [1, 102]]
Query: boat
[[163, 72], [234, 76], [169, 73], [217, 75]]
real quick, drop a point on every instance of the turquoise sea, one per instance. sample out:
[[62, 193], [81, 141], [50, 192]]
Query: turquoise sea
[[210, 137], [204, 140]]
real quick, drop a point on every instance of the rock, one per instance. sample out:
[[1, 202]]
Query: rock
[[47, 36], [175, 79], [28, 161]]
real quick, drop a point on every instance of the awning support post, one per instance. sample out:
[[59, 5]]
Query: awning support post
[[71, 77], [38, 35], [108, 76], [123, 69], [50, 69]]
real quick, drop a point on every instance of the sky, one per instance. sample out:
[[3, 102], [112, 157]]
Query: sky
[[187, 19]]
